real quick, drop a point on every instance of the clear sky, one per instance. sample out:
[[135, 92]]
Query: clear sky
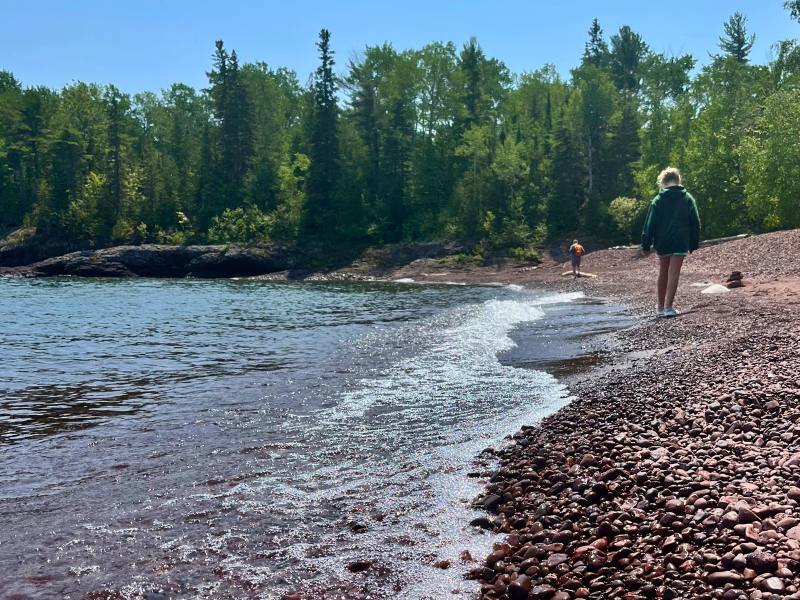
[[149, 44]]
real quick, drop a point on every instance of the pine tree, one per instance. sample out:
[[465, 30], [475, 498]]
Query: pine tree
[[736, 43], [320, 219], [208, 185], [363, 83]]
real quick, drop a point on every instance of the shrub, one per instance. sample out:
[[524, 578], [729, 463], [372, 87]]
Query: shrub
[[626, 213], [240, 225], [526, 254]]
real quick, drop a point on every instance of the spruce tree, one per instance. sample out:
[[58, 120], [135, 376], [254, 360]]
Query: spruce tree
[[625, 148], [232, 112], [471, 59], [568, 177], [117, 107], [596, 50], [320, 218], [236, 132]]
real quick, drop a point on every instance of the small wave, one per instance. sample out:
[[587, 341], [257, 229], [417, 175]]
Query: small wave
[[418, 423]]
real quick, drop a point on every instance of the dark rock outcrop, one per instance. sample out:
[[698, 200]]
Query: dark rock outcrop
[[24, 247], [214, 261], [153, 260]]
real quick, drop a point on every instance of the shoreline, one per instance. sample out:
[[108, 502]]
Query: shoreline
[[672, 473]]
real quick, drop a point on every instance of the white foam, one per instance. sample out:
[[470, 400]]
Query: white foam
[[464, 356], [433, 412], [404, 435]]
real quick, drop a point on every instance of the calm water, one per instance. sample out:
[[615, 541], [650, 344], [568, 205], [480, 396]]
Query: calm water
[[202, 439]]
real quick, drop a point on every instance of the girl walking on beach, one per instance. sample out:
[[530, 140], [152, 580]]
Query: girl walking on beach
[[672, 226]]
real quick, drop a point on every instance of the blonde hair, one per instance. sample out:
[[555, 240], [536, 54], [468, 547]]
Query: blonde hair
[[668, 176]]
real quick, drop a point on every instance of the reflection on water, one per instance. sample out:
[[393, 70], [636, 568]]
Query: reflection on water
[[242, 439]]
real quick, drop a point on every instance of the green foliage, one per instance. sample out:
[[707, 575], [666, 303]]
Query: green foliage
[[627, 59], [405, 145], [321, 219], [241, 225], [627, 214], [596, 49], [793, 6], [526, 254], [736, 43], [771, 154]]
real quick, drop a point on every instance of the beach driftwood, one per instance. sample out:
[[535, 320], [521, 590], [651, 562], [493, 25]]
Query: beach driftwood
[[580, 274]]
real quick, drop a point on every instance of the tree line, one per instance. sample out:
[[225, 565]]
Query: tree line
[[436, 143]]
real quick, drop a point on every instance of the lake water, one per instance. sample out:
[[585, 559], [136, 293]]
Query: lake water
[[242, 439]]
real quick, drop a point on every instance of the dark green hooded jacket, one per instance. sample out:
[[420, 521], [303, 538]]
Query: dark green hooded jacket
[[672, 223]]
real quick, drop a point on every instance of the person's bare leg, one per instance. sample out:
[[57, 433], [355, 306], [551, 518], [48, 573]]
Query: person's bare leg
[[663, 274], [674, 273]]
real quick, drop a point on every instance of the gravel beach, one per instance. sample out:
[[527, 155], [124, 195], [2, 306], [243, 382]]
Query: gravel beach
[[675, 471]]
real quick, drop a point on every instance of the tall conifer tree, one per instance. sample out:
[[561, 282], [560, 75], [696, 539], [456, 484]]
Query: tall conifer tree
[[320, 219]]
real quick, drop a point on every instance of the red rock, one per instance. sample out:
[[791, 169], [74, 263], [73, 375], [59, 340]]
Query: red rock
[[720, 578], [774, 585], [556, 559], [762, 562], [543, 592], [518, 590], [745, 515]]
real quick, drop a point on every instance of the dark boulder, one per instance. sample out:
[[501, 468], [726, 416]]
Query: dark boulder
[[239, 262]]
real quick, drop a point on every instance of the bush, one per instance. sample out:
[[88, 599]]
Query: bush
[[527, 254], [626, 213], [241, 225], [172, 237], [771, 154]]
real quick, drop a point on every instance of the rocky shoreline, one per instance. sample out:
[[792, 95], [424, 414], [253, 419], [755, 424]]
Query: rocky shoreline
[[273, 260], [675, 473]]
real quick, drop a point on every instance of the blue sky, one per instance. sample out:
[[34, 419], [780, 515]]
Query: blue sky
[[149, 44]]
